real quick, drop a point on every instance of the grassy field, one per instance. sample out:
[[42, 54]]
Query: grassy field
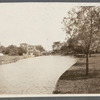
[[74, 80], [10, 59]]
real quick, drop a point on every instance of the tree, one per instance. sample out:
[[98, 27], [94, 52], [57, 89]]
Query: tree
[[21, 51], [2, 49], [11, 50], [40, 48], [82, 24], [56, 45], [74, 45]]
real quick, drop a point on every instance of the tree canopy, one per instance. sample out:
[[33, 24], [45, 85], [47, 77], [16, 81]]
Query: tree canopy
[[12, 50], [82, 28], [40, 48]]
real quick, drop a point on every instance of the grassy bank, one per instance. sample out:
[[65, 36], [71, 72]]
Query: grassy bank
[[74, 80], [10, 59]]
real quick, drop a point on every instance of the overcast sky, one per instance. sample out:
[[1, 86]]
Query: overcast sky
[[32, 23]]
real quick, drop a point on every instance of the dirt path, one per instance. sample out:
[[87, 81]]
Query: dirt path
[[36, 75]]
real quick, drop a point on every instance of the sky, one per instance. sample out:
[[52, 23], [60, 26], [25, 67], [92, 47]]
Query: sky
[[33, 23]]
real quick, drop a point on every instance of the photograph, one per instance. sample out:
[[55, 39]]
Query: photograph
[[49, 49]]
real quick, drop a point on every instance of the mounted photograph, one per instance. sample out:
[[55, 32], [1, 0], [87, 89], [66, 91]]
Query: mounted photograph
[[49, 49]]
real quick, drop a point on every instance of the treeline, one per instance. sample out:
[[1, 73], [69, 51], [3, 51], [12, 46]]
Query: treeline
[[62, 48], [12, 50], [73, 46]]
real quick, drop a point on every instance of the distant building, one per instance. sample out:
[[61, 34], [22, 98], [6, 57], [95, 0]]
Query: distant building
[[30, 49]]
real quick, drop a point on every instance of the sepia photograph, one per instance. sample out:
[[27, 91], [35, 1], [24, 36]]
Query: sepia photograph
[[49, 49]]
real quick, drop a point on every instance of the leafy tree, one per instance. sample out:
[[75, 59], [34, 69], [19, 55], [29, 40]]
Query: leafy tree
[[82, 24], [57, 45], [21, 51], [2, 49], [40, 48], [13, 50], [74, 46]]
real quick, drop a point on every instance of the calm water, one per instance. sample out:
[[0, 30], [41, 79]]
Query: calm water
[[36, 75]]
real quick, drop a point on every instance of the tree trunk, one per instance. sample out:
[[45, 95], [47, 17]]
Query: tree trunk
[[87, 65]]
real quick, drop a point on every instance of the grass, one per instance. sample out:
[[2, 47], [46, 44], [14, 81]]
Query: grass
[[10, 59], [74, 80]]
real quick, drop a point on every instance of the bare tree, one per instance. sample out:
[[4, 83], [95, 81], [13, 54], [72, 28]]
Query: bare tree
[[83, 23]]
